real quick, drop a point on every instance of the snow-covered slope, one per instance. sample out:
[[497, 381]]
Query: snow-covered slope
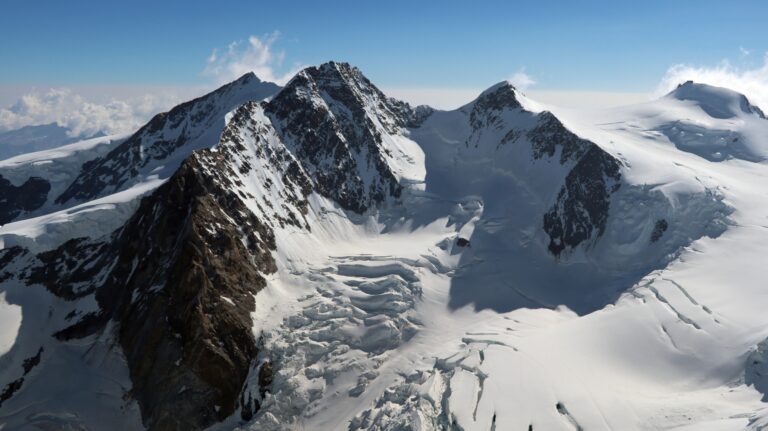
[[331, 258], [51, 169], [76, 187], [730, 126], [36, 138], [448, 311], [159, 147]]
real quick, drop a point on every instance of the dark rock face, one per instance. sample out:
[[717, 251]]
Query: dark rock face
[[322, 116], [75, 256], [297, 184], [32, 362], [486, 113], [185, 328], [550, 134], [414, 117], [658, 230], [179, 281], [162, 136], [248, 400], [486, 109], [756, 369], [8, 255], [15, 200], [580, 212], [12, 387]]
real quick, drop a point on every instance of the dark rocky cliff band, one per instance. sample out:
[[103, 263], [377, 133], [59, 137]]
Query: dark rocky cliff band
[[15, 200]]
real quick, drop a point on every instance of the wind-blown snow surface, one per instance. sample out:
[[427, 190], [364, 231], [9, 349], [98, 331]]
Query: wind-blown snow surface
[[385, 322], [446, 308]]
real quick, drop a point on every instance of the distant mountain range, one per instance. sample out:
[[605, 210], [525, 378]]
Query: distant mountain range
[[29, 139]]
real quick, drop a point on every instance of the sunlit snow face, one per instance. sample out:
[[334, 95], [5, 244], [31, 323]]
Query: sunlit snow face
[[10, 321]]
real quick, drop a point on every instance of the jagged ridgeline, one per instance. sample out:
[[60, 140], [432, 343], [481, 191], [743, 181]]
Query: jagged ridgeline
[[254, 257], [207, 233]]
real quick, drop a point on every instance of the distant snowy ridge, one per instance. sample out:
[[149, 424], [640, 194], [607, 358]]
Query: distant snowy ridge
[[28, 139]]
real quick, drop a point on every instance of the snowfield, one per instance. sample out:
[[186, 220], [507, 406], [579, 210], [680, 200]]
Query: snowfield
[[450, 307], [373, 338]]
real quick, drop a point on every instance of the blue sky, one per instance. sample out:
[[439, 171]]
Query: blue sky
[[578, 45], [109, 66]]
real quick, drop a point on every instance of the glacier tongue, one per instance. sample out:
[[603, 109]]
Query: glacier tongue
[[380, 335], [427, 366], [615, 368]]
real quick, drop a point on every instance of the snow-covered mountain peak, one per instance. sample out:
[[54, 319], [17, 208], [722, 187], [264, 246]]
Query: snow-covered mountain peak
[[247, 87], [346, 92], [489, 108], [497, 97], [333, 73], [159, 147], [718, 102], [348, 135], [247, 77], [505, 86]]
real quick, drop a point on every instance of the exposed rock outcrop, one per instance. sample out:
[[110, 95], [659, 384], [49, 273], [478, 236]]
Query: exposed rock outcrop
[[178, 280], [580, 212], [330, 117], [29, 196], [195, 124]]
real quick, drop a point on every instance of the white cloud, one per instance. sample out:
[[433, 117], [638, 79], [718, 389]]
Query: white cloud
[[752, 82], [83, 116], [257, 55], [521, 80], [744, 51], [91, 109]]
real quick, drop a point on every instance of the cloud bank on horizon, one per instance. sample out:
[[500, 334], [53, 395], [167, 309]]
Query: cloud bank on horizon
[[84, 117], [81, 116], [258, 54]]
